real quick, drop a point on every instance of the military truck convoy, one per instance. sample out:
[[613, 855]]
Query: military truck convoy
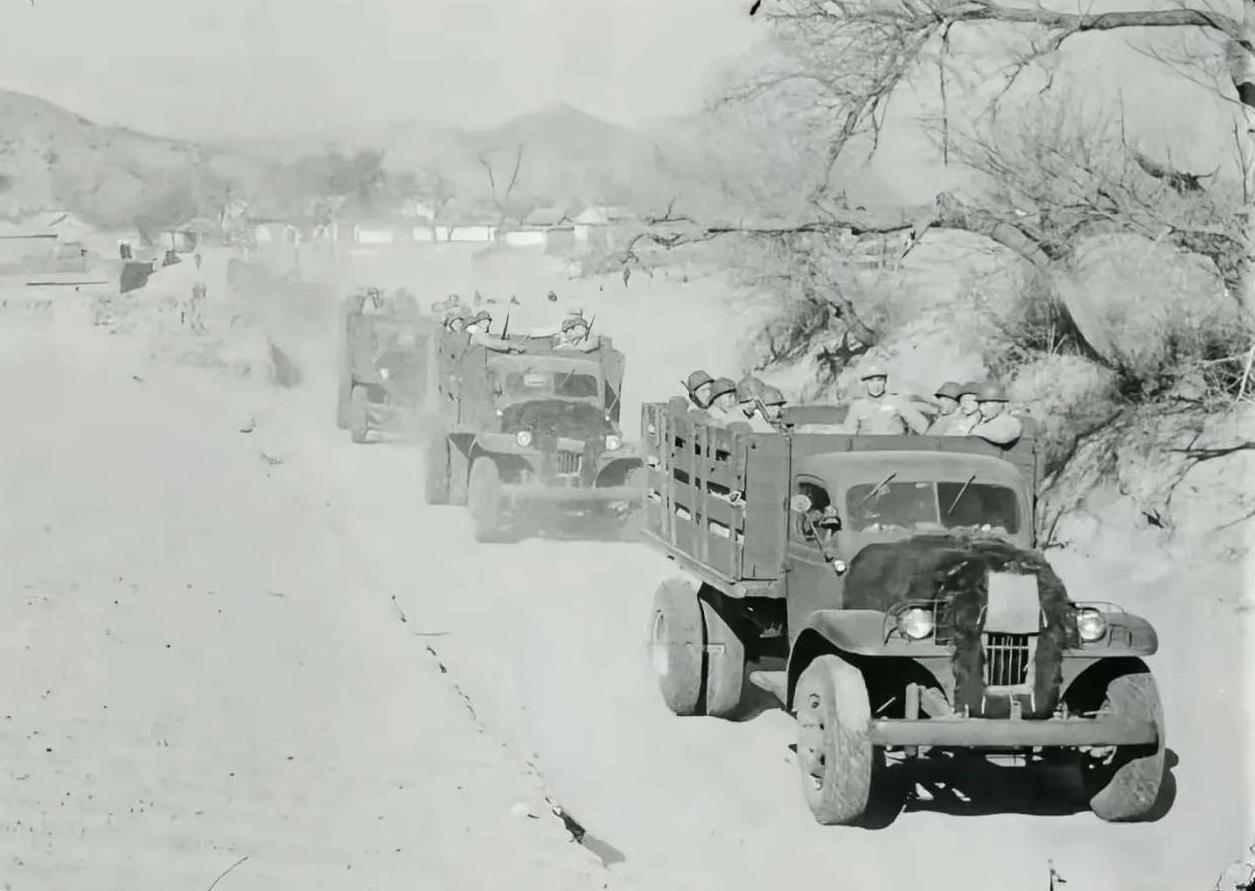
[[510, 424], [886, 590]]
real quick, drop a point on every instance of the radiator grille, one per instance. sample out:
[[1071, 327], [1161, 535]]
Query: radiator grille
[[1006, 659], [568, 463]]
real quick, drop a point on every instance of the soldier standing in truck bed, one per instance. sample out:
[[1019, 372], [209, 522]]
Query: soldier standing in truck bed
[[723, 402], [995, 425], [697, 385], [773, 403], [968, 414], [880, 412], [747, 397], [947, 397]]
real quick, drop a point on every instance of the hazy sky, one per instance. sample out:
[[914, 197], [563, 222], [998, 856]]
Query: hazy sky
[[261, 67]]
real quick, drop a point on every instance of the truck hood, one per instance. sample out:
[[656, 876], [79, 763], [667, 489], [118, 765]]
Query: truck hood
[[548, 419]]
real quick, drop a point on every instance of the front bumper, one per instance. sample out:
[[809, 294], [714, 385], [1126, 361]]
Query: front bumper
[[515, 493], [1110, 730]]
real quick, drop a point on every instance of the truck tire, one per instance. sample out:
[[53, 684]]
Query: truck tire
[[344, 404], [359, 419], [1127, 788], [834, 750], [483, 499], [725, 664], [459, 474], [676, 641], [436, 472]]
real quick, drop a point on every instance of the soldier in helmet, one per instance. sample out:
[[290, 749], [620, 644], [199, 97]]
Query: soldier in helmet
[[747, 397], [773, 403], [947, 397], [574, 334], [723, 401], [995, 425], [698, 387], [968, 414], [480, 323], [880, 412]]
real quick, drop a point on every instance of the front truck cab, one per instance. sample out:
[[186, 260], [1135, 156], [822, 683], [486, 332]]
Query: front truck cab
[[539, 427], [907, 613]]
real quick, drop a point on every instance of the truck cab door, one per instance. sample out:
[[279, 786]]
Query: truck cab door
[[811, 580]]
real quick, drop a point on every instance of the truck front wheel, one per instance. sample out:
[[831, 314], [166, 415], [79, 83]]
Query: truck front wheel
[[436, 472], [834, 750], [1124, 786], [676, 643], [725, 664], [483, 498]]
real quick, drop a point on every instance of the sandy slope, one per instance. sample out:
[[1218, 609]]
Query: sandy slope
[[196, 668]]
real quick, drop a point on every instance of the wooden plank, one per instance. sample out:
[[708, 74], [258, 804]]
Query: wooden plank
[[766, 514]]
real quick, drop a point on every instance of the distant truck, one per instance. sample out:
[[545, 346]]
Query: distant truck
[[886, 589], [387, 365], [520, 425]]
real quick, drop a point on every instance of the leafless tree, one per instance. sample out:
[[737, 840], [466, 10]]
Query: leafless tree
[[502, 201]]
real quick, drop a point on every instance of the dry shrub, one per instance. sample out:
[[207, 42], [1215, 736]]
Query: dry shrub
[[1070, 396], [1157, 316]]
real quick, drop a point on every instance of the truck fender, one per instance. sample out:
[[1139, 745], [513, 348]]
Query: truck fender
[[858, 632], [1128, 635]]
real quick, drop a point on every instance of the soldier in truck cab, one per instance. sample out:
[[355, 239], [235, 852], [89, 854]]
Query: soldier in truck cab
[[880, 412]]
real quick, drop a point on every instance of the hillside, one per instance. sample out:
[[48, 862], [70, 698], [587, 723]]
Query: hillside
[[54, 158]]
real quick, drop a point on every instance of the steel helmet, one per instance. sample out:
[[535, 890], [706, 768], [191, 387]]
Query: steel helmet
[[952, 389], [697, 379], [771, 396], [722, 387]]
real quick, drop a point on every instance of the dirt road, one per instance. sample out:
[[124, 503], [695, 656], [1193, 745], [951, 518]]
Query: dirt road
[[200, 668], [206, 660]]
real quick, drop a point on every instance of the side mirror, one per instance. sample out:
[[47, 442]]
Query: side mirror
[[800, 504]]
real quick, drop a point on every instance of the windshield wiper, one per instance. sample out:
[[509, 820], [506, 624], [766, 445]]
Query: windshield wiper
[[960, 495], [880, 485]]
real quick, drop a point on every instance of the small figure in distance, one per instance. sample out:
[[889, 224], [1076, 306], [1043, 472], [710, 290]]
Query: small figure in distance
[[698, 388], [880, 412], [947, 397]]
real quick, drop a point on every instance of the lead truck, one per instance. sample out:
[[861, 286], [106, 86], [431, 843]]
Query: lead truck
[[887, 590]]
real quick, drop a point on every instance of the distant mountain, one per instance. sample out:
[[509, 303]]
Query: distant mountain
[[569, 157], [51, 158]]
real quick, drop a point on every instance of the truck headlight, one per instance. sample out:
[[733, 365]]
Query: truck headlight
[[916, 623], [523, 438], [613, 442], [1090, 625]]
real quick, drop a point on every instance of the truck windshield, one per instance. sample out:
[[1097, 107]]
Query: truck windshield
[[573, 385], [926, 504]]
